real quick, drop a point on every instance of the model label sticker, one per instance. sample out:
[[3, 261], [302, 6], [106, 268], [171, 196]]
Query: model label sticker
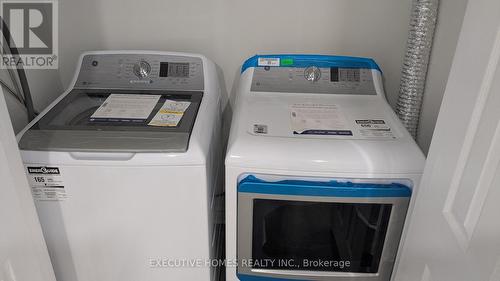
[[260, 129], [46, 183], [318, 119], [170, 113], [376, 128], [268, 62]]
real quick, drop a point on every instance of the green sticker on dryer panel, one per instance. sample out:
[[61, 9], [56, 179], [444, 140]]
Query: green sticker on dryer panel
[[286, 62]]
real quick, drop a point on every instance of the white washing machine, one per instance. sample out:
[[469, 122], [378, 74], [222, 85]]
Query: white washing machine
[[319, 172], [124, 168]]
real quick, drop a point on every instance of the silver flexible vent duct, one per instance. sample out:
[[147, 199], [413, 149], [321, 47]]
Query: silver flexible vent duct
[[416, 60]]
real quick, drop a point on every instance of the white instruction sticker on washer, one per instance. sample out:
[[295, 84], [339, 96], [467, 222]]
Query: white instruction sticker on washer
[[268, 62], [318, 119], [125, 106], [377, 128], [170, 114], [46, 183]]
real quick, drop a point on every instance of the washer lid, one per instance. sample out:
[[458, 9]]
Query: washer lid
[[116, 121]]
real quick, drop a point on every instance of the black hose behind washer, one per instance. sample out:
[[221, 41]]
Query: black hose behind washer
[[28, 101]]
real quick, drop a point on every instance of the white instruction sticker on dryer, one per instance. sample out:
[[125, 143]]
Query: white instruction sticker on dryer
[[318, 119], [374, 128], [46, 183]]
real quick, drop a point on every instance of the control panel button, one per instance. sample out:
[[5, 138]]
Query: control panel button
[[312, 73], [142, 69]]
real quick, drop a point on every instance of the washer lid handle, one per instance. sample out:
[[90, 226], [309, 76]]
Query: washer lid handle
[[106, 156]]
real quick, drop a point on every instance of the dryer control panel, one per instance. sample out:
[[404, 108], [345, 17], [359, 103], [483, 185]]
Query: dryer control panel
[[312, 74], [312, 79], [141, 71]]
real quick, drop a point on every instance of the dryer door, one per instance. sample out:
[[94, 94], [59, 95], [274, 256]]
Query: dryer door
[[313, 230]]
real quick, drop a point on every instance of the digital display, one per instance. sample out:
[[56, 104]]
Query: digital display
[[174, 69], [334, 74], [345, 74]]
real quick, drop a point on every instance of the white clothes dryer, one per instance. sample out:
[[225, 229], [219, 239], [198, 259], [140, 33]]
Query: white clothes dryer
[[319, 172]]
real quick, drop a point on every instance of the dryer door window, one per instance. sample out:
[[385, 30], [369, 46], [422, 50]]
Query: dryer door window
[[318, 236]]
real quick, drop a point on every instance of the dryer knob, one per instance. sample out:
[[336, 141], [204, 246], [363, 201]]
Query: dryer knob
[[312, 73], [142, 69]]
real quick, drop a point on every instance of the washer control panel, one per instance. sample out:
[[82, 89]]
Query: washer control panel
[[141, 71], [313, 79]]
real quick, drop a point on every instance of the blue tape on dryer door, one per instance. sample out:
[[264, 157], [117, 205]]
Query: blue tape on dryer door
[[333, 188]]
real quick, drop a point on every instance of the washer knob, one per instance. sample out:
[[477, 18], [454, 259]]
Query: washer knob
[[312, 73], [142, 69]]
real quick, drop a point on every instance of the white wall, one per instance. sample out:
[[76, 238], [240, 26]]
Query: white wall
[[229, 31]]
